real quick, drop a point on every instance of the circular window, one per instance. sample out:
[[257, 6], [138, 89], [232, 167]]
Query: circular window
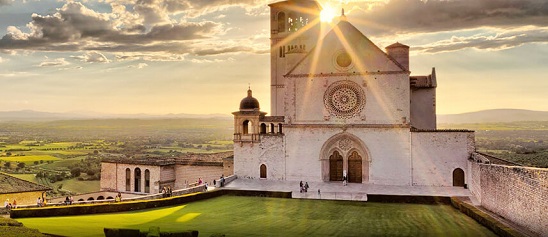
[[344, 60], [344, 99]]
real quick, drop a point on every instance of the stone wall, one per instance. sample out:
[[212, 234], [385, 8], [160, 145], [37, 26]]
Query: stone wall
[[519, 194], [113, 177], [436, 154], [22, 198], [250, 157], [188, 174]]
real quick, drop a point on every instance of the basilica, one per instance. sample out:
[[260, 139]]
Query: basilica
[[343, 107]]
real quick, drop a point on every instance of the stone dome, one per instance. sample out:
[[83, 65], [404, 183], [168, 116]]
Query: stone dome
[[249, 102]]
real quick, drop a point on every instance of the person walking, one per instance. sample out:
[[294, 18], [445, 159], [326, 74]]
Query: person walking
[[301, 186], [306, 187]]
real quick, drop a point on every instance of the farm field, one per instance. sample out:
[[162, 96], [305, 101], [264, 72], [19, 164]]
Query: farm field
[[256, 216], [29, 159]]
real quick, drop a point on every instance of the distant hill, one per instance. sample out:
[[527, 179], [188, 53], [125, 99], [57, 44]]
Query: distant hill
[[494, 115], [31, 115]]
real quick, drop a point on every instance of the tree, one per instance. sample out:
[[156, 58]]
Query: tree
[[36, 162], [75, 172], [21, 165], [7, 164]]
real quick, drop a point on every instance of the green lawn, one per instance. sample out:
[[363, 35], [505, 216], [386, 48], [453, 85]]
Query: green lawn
[[254, 216], [76, 186]]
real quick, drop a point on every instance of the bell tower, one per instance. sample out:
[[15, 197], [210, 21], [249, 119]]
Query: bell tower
[[294, 26]]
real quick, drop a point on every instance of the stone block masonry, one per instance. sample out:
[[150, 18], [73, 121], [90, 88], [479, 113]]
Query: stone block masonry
[[519, 194]]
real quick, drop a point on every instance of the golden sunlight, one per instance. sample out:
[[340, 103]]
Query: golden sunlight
[[327, 14]]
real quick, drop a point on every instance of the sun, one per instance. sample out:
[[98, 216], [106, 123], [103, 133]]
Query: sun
[[327, 14]]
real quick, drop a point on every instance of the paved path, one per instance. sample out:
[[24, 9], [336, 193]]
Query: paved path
[[336, 190]]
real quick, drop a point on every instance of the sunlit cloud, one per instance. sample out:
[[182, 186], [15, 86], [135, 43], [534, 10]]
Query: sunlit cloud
[[138, 66], [487, 41], [92, 57], [58, 62]]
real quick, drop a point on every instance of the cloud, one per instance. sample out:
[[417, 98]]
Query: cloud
[[138, 66], [403, 16], [92, 57], [75, 27], [499, 41], [54, 62], [5, 2], [1, 60]]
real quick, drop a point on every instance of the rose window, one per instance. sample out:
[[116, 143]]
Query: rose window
[[344, 99]]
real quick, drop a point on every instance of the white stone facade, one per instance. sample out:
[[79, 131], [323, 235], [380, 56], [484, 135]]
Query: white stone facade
[[345, 106]]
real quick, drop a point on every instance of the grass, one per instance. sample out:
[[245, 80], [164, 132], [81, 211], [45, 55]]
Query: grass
[[76, 186], [29, 159], [254, 216], [27, 177]]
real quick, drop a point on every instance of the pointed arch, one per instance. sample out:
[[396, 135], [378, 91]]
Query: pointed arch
[[346, 144]]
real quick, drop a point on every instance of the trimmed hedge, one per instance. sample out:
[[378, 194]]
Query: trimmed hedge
[[72, 210], [408, 199], [483, 218]]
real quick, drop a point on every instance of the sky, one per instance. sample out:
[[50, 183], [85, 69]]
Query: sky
[[200, 56]]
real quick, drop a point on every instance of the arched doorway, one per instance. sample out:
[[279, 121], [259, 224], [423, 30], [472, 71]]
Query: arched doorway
[[263, 171], [458, 177], [354, 167], [335, 167]]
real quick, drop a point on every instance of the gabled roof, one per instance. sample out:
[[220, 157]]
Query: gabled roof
[[365, 55], [10, 184]]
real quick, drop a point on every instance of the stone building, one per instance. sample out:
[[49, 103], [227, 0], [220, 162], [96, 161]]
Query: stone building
[[340, 105], [24, 192], [150, 175]]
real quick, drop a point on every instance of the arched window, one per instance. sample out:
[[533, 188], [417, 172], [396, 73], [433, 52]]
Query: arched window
[[263, 171], [271, 128], [128, 179], [281, 22], [100, 198], [90, 199], [280, 128], [137, 180], [458, 177], [147, 181], [246, 127], [81, 200], [263, 128], [109, 197]]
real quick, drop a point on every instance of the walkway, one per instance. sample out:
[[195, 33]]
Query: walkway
[[336, 191]]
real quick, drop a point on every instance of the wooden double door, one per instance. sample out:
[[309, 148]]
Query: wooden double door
[[336, 167]]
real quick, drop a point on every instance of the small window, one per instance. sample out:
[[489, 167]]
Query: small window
[[281, 22], [263, 171]]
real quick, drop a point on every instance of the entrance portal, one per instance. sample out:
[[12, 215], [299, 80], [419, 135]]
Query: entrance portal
[[335, 167], [354, 168]]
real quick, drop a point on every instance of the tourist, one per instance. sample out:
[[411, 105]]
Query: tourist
[[164, 192], [205, 185], [344, 180], [306, 187], [169, 191], [118, 197], [214, 182], [199, 181], [6, 203], [44, 202], [301, 186], [319, 194], [14, 203], [222, 180], [39, 202], [71, 200], [67, 200]]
